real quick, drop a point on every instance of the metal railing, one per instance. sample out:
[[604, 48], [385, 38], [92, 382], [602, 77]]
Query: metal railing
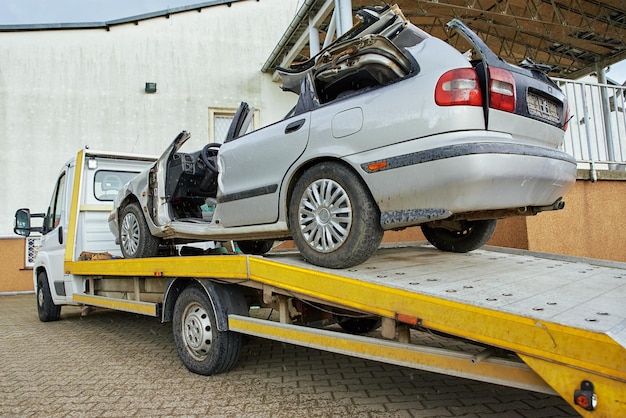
[[597, 128]]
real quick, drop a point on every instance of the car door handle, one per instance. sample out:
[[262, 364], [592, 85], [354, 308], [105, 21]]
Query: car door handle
[[294, 126], [61, 235]]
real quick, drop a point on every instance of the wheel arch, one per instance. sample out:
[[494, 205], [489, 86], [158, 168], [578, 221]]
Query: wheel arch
[[225, 299], [130, 199], [310, 163]]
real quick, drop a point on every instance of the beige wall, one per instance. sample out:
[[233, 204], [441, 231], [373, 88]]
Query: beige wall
[[589, 226], [13, 276]]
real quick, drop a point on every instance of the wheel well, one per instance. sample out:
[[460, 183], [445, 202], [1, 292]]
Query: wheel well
[[131, 198], [296, 175], [39, 269], [224, 298]]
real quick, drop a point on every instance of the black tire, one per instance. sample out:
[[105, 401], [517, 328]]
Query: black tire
[[359, 325], [255, 247], [330, 201], [46, 308], [136, 241], [472, 235], [202, 348]]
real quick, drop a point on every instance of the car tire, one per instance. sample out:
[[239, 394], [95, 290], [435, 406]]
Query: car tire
[[333, 218], [46, 308], [202, 348], [255, 247], [473, 235], [136, 241]]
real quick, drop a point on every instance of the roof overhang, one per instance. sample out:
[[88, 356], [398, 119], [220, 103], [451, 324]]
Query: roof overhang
[[574, 37]]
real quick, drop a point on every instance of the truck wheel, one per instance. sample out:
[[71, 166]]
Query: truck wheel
[[332, 217], [136, 241], [255, 247], [46, 308], [471, 235], [202, 348]]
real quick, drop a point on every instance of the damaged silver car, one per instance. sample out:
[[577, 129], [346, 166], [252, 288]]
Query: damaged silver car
[[392, 128]]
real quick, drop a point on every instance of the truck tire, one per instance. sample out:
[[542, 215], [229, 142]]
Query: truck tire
[[333, 218], [136, 241], [255, 247], [46, 308], [473, 235], [202, 348]]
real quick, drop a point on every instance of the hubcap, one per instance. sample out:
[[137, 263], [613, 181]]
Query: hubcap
[[130, 233], [325, 215], [197, 331], [40, 297]]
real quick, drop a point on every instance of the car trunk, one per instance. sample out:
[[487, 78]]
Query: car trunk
[[510, 91]]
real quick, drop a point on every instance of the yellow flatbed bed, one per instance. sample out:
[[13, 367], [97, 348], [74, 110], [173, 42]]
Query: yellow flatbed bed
[[545, 323]]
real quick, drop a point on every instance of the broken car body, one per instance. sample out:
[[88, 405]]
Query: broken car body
[[392, 128]]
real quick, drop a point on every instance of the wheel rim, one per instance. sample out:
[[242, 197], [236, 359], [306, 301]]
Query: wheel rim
[[325, 215], [40, 297], [197, 332], [130, 233]]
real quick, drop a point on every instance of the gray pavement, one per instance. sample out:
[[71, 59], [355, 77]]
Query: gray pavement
[[112, 364]]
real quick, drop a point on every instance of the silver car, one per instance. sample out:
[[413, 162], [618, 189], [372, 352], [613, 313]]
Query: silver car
[[392, 128]]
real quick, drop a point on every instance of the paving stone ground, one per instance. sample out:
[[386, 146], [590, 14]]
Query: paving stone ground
[[113, 364]]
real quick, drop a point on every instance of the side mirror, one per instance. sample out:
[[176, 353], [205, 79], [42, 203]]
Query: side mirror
[[22, 222]]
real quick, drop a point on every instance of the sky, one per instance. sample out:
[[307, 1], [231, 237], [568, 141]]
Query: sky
[[20, 12]]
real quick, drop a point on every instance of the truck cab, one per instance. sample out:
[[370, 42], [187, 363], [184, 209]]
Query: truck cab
[[82, 197]]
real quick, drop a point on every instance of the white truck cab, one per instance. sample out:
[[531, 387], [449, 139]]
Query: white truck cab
[[83, 195]]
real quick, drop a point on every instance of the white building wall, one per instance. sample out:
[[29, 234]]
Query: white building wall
[[63, 89]]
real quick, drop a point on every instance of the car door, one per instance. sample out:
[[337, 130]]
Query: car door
[[54, 238], [252, 168]]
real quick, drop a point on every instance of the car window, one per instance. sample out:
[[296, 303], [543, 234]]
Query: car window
[[53, 217], [108, 182]]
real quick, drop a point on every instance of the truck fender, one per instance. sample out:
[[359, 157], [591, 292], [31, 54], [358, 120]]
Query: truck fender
[[225, 299]]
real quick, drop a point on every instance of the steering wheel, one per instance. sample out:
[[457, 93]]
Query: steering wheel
[[208, 153]]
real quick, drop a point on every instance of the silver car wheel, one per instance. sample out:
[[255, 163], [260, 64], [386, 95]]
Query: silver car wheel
[[130, 234], [325, 215], [196, 331]]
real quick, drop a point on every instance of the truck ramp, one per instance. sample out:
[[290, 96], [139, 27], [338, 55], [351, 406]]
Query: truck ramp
[[546, 323]]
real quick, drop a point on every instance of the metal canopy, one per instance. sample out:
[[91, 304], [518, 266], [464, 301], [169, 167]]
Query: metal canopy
[[575, 37]]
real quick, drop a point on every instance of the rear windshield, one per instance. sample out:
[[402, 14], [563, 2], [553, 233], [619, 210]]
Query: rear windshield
[[107, 183]]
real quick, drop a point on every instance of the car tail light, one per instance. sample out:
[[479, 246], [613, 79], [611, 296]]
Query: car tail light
[[501, 90], [458, 87]]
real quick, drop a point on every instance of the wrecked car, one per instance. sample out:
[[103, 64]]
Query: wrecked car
[[392, 128]]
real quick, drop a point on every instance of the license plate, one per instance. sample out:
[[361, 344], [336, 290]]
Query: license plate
[[543, 108]]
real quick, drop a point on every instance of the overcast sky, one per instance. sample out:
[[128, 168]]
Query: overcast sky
[[19, 12]]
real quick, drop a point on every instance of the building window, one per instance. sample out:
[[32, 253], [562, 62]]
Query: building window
[[220, 119]]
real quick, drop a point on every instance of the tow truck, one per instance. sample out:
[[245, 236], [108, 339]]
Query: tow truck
[[540, 322]]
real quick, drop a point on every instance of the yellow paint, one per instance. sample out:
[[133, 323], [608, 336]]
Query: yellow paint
[[513, 332], [143, 308], [214, 266], [73, 222], [565, 380], [96, 208], [437, 360]]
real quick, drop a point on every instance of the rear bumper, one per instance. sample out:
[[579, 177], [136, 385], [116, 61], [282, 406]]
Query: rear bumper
[[417, 187]]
